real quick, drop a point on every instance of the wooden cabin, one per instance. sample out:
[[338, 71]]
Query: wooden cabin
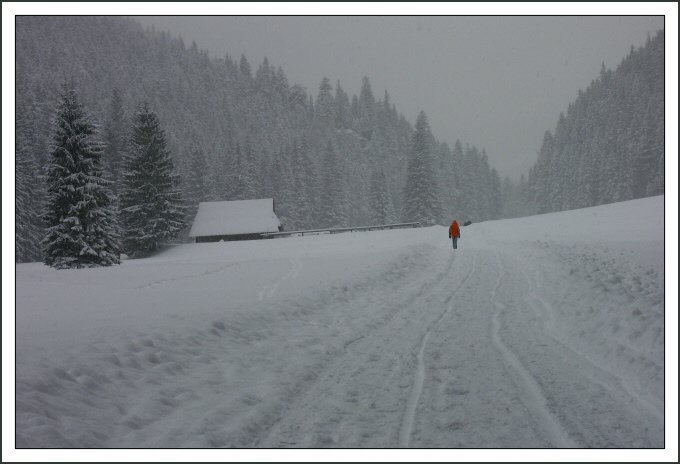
[[234, 220]]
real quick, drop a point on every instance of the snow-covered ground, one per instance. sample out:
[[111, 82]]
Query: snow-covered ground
[[536, 333]]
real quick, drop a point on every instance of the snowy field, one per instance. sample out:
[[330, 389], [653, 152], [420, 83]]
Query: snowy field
[[536, 333]]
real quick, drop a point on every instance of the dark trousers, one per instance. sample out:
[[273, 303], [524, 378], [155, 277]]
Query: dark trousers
[[455, 242]]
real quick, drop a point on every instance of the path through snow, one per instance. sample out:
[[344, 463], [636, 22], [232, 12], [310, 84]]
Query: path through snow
[[371, 340]]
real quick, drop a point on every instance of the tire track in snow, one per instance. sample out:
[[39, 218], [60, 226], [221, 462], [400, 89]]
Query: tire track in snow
[[547, 312], [170, 280], [419, 376], [536, 403], [319, 413], [296, 267], [544, 310]]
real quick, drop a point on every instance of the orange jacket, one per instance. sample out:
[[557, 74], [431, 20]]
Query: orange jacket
[[454, 231]]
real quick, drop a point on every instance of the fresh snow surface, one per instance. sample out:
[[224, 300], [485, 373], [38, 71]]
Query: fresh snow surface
[[537, 333]]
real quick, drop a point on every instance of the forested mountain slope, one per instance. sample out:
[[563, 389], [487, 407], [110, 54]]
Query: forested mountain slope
[[610, 145], [235, 131]]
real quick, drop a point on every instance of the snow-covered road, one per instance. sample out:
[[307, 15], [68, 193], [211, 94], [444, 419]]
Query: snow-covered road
[[462, 359], [384, 339]]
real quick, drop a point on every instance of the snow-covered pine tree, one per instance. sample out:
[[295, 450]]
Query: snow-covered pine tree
[[27, 230], [115, 139], [446, 176], [226, 173], [80, 220], [296, 197], [325, 104], [244, 67], [297, 102], [496, 195], [421, 200], [263, 184], [282, 184], [115, 146], [459, 207], [239, 181], [248, 172], [196, 186], [365, 110], [152, 213], [306, 184], [334, 209], [343, 112], [486, 188], [263, 77], [382, 211]]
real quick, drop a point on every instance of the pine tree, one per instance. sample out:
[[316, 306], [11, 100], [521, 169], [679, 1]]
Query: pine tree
[[244, 67], [151, 209], [325, 104], [297, 102], [114, 138], [297, 198], [247, 173], [227, 174], [471, 188], [379, 199], [343, 114], [197, 185], [496, 195], [461, 186], [305, 184], [281, 85], [365, 110], [81, 229], [114, 150], [282, 184], [27, 230], [263, 77], [334, 211], [421, 201]]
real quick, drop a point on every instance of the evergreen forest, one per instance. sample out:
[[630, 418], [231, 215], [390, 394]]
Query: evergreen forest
[[231, 130]]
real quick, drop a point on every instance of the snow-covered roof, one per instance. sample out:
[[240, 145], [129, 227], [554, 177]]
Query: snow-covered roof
[[235, 217]]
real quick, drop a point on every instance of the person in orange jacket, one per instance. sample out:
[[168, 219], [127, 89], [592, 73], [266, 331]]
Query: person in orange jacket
[[454, 232]]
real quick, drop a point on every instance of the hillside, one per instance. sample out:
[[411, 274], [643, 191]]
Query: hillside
[[610, 145], [235, 130]]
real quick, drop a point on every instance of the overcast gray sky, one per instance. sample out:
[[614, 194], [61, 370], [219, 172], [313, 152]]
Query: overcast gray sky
[[497, 82]]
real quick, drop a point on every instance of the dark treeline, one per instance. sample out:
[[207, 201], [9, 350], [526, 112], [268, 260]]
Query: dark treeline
[[610, 145], [235, 132]]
